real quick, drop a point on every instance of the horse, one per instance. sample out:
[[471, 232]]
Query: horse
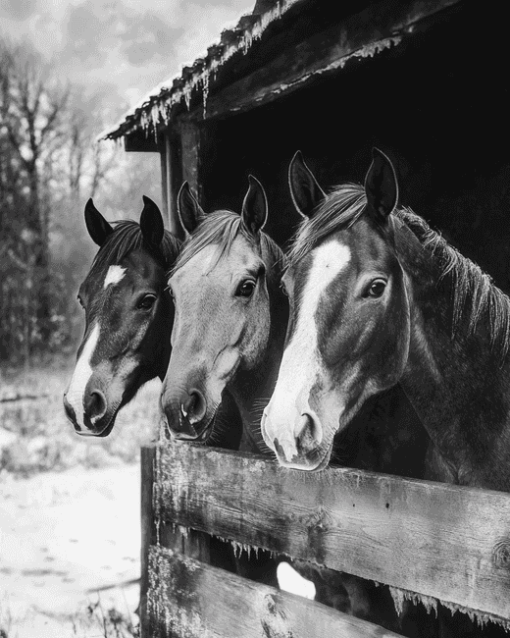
[[225, 256], [379, 299], [126, 311], [231, 319]]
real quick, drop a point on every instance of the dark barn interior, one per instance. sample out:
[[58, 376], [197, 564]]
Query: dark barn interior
[[437, 103]]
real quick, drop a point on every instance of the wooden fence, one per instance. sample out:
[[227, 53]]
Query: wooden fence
[[428, 541]]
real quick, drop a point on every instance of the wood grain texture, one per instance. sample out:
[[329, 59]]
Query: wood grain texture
[[191, 542], [189, 598], [441, 541], [361, 35]]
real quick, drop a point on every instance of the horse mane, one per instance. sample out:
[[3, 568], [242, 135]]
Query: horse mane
[[126, 237], [221, 227], [475, 297]]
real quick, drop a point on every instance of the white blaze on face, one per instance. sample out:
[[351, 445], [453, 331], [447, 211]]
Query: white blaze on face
[[81, 376], [300, 363], [113, 276]]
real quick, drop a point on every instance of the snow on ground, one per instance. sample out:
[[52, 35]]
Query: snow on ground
[[64, 536]]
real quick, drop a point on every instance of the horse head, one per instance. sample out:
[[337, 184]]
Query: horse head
[[127, 309]]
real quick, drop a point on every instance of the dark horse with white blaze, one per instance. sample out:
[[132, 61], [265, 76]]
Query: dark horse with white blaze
[[126, 310], [380, 299]]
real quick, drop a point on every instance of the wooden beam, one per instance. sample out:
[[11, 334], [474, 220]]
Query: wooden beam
[[188, 598], [378, 27], [190, 149], [167, 168], [164, 187], [441, 541], [141, 142]]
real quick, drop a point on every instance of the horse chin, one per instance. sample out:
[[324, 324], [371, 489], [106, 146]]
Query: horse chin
[[313, 461], [318, 459], [105, 427], [207, 432]]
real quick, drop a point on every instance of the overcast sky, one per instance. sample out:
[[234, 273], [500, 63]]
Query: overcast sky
[[121, 48]]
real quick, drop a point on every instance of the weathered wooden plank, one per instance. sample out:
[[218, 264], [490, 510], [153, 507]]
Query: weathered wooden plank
[[191, 542], [189, 598], [446, 542], [363, 35]]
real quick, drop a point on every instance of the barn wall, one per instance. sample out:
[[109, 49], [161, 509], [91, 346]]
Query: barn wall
[[438, 104]]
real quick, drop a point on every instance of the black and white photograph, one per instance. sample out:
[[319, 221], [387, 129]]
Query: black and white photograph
[[254, 319]]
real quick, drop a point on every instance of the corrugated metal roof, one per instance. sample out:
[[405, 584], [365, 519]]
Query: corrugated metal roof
[[156, 106]]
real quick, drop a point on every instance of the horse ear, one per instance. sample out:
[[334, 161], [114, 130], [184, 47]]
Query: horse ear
[[254, 212], [189, 210], [151, 223], [304, 188], [381, 187], [99, 229]]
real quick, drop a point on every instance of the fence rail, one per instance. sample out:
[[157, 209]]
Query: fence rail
[[438, 541], [189, 598]]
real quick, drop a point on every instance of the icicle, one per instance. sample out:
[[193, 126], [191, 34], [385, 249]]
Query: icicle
[[401, 595], [205, 92]]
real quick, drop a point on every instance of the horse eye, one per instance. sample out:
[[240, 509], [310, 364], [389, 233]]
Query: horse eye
[[246, 288], [376, 288], [284, 289], [146, 302], [80, 301]]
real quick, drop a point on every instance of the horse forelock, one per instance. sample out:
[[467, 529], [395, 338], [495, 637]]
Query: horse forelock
[[126, 238], [221, 228], [340, 209], [475, 297]]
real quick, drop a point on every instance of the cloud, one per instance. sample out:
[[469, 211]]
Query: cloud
[[127, 45], [18, 9], [148, 37]]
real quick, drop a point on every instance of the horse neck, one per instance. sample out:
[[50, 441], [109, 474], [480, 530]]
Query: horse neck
[[252, 389], [456, 384]]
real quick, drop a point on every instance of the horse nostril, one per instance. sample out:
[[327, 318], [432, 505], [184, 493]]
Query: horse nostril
[[194, 407], [95, 404], [308, 434]]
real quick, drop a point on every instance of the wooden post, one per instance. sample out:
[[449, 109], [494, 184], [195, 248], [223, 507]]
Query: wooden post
[[164, 189], [167, 169], [148, 530], [190, 145]]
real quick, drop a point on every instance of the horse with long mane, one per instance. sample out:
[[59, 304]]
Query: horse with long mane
[[126, 311], [378, 299]]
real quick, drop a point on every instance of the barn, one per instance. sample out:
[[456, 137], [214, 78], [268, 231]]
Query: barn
[[426, 82]]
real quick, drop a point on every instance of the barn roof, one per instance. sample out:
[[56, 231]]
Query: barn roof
[[319, 37], [157, 105]]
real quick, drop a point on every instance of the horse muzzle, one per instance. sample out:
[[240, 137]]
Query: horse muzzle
[[96, 419], [299, 447]]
